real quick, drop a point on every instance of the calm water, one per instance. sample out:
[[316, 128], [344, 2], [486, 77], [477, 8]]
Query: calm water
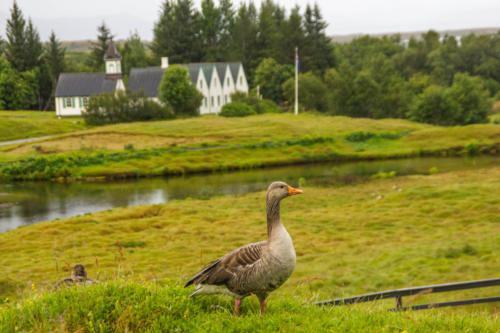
[[43, 201]]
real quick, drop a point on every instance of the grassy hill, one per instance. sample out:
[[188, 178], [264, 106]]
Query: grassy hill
[[210, 143]]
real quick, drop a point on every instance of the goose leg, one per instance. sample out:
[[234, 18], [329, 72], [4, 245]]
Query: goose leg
[[262, 307], [237, 303]]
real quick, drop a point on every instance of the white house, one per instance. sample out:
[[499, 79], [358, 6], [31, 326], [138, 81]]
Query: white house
[[216, 81], [74, 89]]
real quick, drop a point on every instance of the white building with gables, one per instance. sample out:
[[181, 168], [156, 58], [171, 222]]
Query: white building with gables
[[216, 81], [74, 89]]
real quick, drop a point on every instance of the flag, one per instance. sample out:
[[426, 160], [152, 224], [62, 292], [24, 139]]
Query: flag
[[297, 63]]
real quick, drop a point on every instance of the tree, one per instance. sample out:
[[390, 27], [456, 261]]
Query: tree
[[292, 36], [123, 106], [318, 49], [244, 39], [133, 54], [270, 76], [210, 30], [178, 91], [312, 92], [473, 100], [99, 48], [16, 39], [16, 90], [33, 47], [177, 33], [54, 56], [434, 106]]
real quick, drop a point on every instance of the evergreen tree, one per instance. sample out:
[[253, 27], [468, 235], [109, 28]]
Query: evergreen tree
[[292, 36], [268, 38], [244, 39], [210, 30], [318, 49], [33, 47], [133, 54], [99, 48], [16, 39], [176, 34], [163, 31], [54, 56], [227, 24]]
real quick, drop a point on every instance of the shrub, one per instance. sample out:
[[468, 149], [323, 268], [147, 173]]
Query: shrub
[[177, 90], [259, 105], [237, 109], [312, 92], [123, 106]]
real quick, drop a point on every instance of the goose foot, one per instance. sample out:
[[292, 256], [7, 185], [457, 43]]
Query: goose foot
[[237, 303], [262, 307]]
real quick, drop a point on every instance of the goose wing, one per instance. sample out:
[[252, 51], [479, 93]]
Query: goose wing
[[220, 271]]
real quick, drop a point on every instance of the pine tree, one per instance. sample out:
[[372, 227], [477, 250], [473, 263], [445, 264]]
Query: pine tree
[[99, 48], [318, 49], [269, 38], [33, 47], [227, 24], [210, 30], [54, 56], [16, 39], [244, 39], [163, 31], [291, 35]]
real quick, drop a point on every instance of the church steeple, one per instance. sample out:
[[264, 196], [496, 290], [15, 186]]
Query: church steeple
[[113, 60]]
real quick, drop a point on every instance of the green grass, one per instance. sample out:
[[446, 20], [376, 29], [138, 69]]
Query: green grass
[[439, 228], [29, 124], [140, 307], [166, 147]]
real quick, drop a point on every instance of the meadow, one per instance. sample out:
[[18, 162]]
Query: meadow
[[377, 235], [211, 143], [16, 125]]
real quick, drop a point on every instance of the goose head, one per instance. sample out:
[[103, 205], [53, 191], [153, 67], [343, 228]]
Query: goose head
[[280, 190]]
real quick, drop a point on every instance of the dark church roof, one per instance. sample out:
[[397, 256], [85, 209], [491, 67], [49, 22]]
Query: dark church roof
[[148, 79], [112, 52], [85, 84]]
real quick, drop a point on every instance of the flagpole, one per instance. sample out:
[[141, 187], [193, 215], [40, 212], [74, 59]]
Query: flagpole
[[296, 80]]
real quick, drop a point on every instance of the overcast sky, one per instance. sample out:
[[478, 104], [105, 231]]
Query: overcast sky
[[77, 19]]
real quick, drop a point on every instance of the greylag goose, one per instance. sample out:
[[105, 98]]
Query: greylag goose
[[257, 268], [78, 276]]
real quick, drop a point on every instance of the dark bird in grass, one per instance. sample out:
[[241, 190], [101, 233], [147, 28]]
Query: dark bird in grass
[[78, 276], [257, 268]]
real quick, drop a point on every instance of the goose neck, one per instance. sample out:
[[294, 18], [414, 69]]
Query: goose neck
[[273, 215]]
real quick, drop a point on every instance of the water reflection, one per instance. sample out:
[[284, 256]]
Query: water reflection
[[43, 201]]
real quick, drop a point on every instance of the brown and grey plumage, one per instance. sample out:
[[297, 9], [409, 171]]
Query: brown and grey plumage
[[78, 276], [257, 268]]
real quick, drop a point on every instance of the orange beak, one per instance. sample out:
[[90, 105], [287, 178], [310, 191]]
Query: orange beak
[[292, 191]]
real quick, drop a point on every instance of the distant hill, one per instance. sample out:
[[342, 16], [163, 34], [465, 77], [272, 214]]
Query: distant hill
[[417, 34]]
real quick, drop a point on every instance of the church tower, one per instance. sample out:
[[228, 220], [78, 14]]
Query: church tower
[[113, 60]]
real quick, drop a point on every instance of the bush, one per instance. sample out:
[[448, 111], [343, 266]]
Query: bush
[[237, 109], [177, 90], [312, 92], [123, 106], [259, 105], [434, 106]]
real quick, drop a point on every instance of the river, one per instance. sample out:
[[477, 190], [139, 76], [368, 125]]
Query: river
[[43, 201]]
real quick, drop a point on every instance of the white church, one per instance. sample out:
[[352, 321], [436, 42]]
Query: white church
[[216, 82]]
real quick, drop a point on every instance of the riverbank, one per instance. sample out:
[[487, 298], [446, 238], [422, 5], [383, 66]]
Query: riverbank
[[379, 235], [211, 144]]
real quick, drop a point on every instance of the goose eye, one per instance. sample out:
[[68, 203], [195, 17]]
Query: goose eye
[[282, 186]]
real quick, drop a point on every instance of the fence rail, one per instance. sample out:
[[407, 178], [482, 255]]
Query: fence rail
[[438, 288]]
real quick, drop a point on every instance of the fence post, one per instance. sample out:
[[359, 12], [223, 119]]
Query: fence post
[[399, 302]]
